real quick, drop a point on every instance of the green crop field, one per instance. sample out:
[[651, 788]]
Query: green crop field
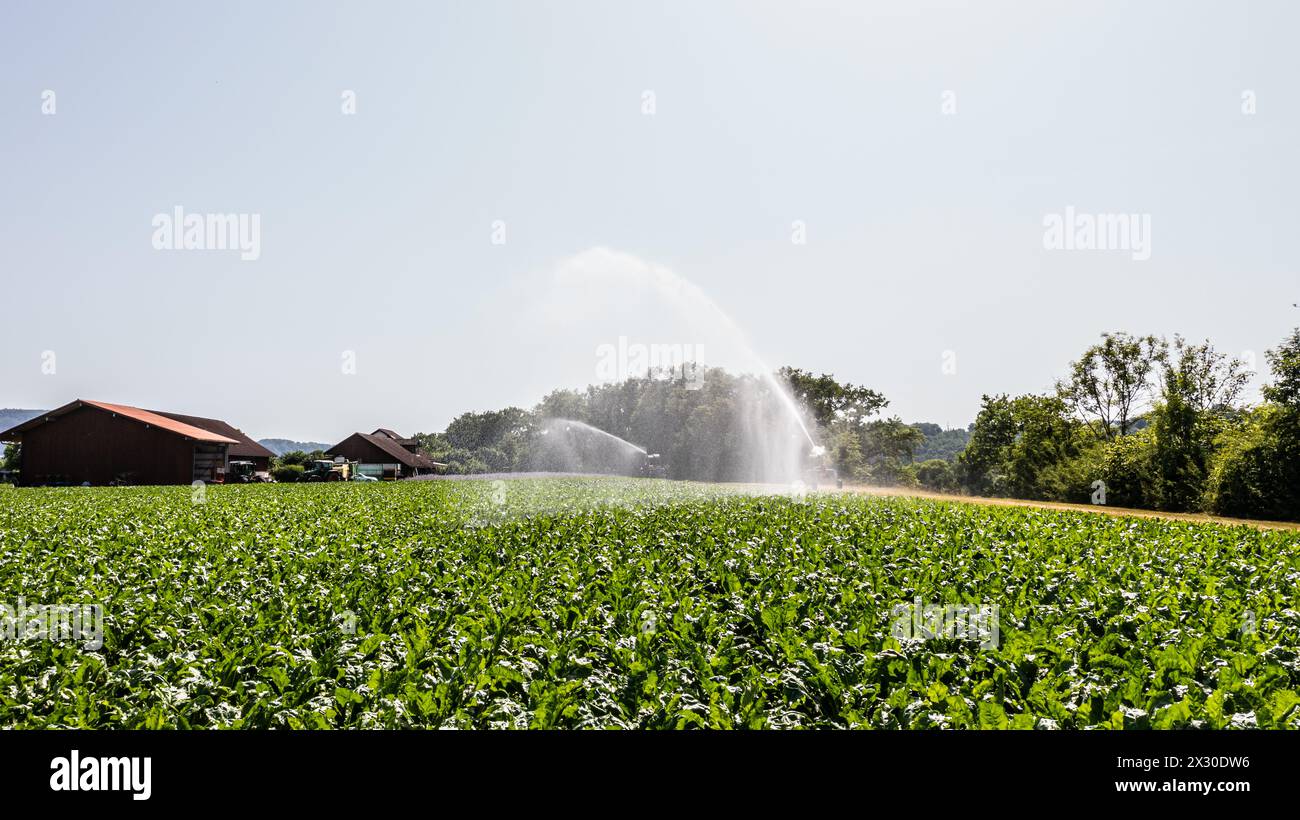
[[626, 603]]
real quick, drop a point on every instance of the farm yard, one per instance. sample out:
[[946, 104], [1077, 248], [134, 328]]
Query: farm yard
[[615, 602]]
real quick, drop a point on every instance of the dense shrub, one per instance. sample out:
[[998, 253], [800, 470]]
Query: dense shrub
[[1125, 467], [1257, 472], [937, 474], [287, 472]]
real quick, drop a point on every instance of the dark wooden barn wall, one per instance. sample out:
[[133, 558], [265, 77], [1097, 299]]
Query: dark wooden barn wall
[[92, 445], [355, 448]]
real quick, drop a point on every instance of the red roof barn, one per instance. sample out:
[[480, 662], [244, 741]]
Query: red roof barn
[[100, 443], [245, 448], [385, 454]]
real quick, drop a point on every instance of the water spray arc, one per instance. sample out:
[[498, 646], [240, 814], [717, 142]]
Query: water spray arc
[[769, 440], [571, 445], [569, 425]]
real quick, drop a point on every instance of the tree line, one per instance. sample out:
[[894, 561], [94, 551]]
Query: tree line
[[1145, 422], [702, 428], [1139, 421]]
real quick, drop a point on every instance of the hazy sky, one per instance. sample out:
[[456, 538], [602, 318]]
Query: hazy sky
[[917, 149]]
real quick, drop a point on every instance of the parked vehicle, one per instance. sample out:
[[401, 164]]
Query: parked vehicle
[[325, 470], [822, 474], [653, 467], [244, 472]]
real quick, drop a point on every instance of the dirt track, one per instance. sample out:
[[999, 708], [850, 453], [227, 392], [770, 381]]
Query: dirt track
[[1056, 505], [903, 492]]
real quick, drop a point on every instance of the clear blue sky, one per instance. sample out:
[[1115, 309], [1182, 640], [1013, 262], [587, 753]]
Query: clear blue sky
[[924, 230]]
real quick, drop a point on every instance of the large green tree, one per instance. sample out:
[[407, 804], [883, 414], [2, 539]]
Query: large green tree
[[829, 401], [887, 446], [1199, 391], [1206, 380], [1256, 472], [1284, 361], [1022, 447], [1109, 384]]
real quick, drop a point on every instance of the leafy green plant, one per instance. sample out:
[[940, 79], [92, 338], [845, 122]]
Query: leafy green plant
[[583, 603]]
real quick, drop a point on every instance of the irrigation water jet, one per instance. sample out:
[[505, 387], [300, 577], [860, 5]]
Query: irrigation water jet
[[567, 444], [776, 460], [570, 424]]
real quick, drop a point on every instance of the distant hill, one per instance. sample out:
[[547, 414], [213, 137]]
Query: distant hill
[[12, 418], [940, 443], [280, 446]]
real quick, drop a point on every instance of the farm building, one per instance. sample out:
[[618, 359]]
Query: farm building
[[96, 442], [385, 454], [245, 450]]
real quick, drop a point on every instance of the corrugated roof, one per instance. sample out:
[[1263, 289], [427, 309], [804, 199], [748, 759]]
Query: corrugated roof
[[392, 448], [397, 451], [163, 422], [135, 413], [245, 447], [405, 442]]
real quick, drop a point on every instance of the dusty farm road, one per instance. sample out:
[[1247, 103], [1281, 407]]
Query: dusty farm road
[[903, 492], [1099, 509]]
